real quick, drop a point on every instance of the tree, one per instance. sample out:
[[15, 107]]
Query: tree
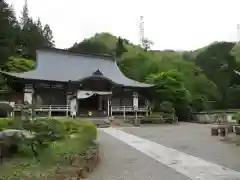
[[120, 48], [33, 35], [218, 64], [8, 24], [169, 87], [48, 36], [233, 96], [87, 46], [147, 44], [25, 15]]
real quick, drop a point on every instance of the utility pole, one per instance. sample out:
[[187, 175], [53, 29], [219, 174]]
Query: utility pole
[[238, 41], [238, 33], [141, 29]]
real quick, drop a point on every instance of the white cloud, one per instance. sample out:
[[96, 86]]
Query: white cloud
[[170, 24]]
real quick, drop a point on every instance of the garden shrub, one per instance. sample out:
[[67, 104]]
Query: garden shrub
[[89, 129], [236, 116], [45, 130], [48, 131], [71, 126], [5, 123]]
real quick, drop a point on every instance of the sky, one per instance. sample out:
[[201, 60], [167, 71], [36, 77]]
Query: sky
[[170, 24]]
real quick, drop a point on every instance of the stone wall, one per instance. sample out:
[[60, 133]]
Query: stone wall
[[211, 117]]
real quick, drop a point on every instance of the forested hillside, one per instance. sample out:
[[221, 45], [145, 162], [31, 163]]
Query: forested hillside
[[193, 81], [19, 39]]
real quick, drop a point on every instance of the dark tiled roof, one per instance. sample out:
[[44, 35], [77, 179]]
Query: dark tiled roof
[[64, 66]]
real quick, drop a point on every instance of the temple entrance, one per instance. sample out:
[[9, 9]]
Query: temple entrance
[[92, 105], [89, 104]]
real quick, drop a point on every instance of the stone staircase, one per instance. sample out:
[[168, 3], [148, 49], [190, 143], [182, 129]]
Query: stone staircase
[[101, 122]]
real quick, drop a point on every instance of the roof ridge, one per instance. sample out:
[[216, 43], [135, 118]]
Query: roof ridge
[[65, 51]]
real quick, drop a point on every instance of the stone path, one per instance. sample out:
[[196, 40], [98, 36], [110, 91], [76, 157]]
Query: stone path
[[193, 139], [119, 161], [147, 155]]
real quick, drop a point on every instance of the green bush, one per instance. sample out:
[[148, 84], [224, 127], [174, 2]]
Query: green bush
[[71, 126], [49, 130], [236, 116], [60, 151], [5, 123], [89, 129]]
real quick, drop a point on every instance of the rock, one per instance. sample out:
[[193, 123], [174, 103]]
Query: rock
[[9, 140], [16, 133]]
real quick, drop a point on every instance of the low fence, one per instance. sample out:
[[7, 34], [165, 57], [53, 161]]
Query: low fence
[[212, 116], [123, 110]]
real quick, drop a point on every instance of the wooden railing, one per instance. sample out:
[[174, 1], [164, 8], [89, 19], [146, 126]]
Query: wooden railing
[[63, 108], [18, 107], [128, 109], [66, 108]]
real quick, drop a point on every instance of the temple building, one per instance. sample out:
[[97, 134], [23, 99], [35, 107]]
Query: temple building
[[77, 84]]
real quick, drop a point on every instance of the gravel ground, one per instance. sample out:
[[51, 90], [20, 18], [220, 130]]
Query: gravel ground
[[122, 162], [193, 139]]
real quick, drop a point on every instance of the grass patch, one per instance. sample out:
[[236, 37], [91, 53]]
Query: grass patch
[[80, 137]]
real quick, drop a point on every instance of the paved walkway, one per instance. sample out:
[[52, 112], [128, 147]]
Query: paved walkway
[[147, 154]]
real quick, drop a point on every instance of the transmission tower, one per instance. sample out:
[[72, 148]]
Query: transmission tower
[[141, 28], [238, 33]]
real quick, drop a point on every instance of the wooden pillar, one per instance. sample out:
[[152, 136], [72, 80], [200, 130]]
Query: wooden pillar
[[28, 98], [73, 107], [68, 96], [50, 111], [13, 105], [135, 101], [135, 106], [108, 106]]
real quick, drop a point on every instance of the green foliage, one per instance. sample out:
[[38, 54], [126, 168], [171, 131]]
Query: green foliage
[[49, 130], [90, 130], [235, 52], [120, 48], [233, 96], [18, 64], [61, 152], [21, 38], [169, 87], [103, 43], [5, 123], [147, 44], [218, 64], [236, 116], [8, 31]]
